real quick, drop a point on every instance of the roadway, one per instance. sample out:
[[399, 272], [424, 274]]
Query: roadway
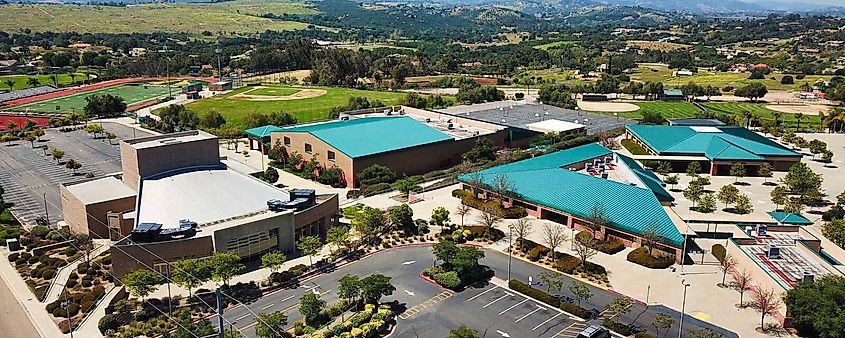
[[430, 311]]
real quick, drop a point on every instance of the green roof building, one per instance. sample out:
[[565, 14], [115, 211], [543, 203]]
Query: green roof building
[[407, 144], [718, 146], [569, 185]]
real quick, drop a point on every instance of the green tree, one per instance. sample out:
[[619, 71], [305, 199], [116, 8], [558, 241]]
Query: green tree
[[580, 292], [483, 151], [310, 306], [662, 321], [38, 132], [801, 181], [104, 105], [32, 82], [664, 168], [57, 154], [707, 204], [8, 138], [728, 194], [309, 246], [349, 288], [440, 216], [272, 325], [445, 251], [406, 185], [224, 265], [463, 332], [693, 169], [466, 259], [743, 205], [752, 91], [338, 236], [211, 119], [779, 195], [765, 170], [9, 83], [738, 171], [273, 260], [142, 282], [834, 230], [271, 175], [369, 222], [375, 174], [375, 286], [816, 307], [553, 280], [402, 217], [619, 306], [693, 193], [73, 165], [31, 139], [189, 274], [672, 180]]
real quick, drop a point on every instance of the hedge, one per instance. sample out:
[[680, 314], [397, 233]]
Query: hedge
[[567, 264], [719, 252], [622, 329], [644, 335], [548, 299], [537, 252], [494, 205], [609, 247], [641, 257], [634, 147]]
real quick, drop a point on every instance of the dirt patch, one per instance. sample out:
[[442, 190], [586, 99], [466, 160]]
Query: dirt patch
[[809, 109], [298, 74], [304, 93], [607, 106]]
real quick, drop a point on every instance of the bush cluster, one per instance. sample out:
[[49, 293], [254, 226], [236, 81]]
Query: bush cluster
[[641, 257], [495, 206], [622, 329], [609, 247], [633, 147], [288, 275], [548, 299]]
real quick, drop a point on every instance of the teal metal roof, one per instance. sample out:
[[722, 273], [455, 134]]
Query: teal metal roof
[[541, 180], [556, 159], [728, 143], [648, 178], [673, 92], [262, 132], [789, 218], [373, 135]]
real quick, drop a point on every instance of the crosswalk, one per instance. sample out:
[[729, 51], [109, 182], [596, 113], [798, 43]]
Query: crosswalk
[[572, 330], [424, 305]]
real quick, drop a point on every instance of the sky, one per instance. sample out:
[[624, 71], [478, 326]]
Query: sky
[[817, 2]]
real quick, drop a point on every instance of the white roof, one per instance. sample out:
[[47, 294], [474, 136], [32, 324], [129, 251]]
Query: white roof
[[553, 125], [167, 139], [203, 196], [706, 129], [100, 190]]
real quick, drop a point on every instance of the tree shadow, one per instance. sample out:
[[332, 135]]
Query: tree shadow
[[742, 183], [770, 184]]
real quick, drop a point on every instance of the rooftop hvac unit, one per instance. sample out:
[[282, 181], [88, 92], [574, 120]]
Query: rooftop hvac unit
[[589, 166], [808, 276], [388, 113], [450, 126], [749, 231], [427, 120], [761, 229], [344, 118], [608, 160], [604, 175], [772, 251], [476, 133]]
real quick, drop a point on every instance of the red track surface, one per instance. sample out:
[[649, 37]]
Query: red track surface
[[98, 85], [20, 120]]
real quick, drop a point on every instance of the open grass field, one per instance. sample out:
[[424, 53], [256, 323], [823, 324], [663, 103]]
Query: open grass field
[[47, 80], [656, 45], [273, 91], [131, 93], [663, 74], [678, 110], [306, 109], [240, 16], [546, 46]]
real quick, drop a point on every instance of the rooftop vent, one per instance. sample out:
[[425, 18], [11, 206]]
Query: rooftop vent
[[772, 251]]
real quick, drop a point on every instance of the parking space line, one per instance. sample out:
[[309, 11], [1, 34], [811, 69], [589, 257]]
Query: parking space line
[[497, 299], [530, 313], [577, 326], [515, 305], [267, 307], [486, 291], [547, 320], [242, 317]]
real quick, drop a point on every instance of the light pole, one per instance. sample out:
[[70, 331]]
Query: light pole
[[46, 213], [683, 307], [510, 249]]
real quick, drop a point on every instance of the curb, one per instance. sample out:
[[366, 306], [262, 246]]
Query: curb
[[503, 284], [576, 277]]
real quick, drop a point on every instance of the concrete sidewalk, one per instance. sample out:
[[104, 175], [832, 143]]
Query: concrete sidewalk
[[58, 283], [31, 307]]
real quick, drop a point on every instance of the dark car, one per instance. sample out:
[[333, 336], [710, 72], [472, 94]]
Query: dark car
[[594, 331]]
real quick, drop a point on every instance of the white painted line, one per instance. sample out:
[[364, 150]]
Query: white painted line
[[547, 320], [496, 300], [267, 307], [287, 299], [479, 295], [242, 317], [530, 313], [515, 305]]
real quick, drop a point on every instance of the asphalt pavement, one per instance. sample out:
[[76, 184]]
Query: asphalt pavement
[[430, 311]]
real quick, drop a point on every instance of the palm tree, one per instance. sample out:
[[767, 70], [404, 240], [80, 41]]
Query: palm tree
[[777, 115], [33, 82], [9, 83]]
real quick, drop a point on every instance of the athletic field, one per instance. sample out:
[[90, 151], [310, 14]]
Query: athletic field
[[132, 94], [682, 109]]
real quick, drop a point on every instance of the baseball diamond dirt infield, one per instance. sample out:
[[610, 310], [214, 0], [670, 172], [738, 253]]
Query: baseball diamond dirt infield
[[279, 93]]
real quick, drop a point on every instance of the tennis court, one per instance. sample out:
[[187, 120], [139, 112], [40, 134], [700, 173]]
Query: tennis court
[[132, 94]]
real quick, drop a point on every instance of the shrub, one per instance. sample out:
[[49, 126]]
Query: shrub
[[644, 335], [533, 293], [353, 194], [379, 187], [13, 257], [71, 283], [87, 307], [108, 322], [448, 279], [106, 260], [719, 252], [575, 310], [633, 147], [460, 193], [567, 264], [537, 252], [86, 283], [641, 257], [610, 247], [48, 273], [595, 269], [617, 327], [73, 275]]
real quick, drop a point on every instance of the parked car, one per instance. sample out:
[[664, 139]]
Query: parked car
[[594, 331]]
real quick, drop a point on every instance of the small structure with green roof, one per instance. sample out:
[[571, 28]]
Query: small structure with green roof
[[789, 218], [259, 137], [567, 186], [720, 146]]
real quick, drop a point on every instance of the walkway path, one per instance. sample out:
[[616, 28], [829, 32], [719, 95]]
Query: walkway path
[[57, 284]]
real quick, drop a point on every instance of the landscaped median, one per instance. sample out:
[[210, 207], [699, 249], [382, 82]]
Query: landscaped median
[[544, 297]]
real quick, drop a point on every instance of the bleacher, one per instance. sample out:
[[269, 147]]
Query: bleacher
[[19, 94]]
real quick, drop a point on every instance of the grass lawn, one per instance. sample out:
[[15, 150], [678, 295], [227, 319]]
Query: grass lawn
[[240, 16], [678, 110], [132, 94], [47, 80], [309, 109], [273, 91], [718, 79], [546, 46]]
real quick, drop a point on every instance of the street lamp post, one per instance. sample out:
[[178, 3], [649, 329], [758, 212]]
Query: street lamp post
[[510, 249], [683, 307], [46, 213]]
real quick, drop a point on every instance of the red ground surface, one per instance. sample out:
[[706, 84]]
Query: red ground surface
[[98, 85], [20, 120]]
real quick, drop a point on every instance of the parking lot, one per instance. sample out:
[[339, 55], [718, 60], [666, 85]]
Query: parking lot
[[494, 309], [31, 180]]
